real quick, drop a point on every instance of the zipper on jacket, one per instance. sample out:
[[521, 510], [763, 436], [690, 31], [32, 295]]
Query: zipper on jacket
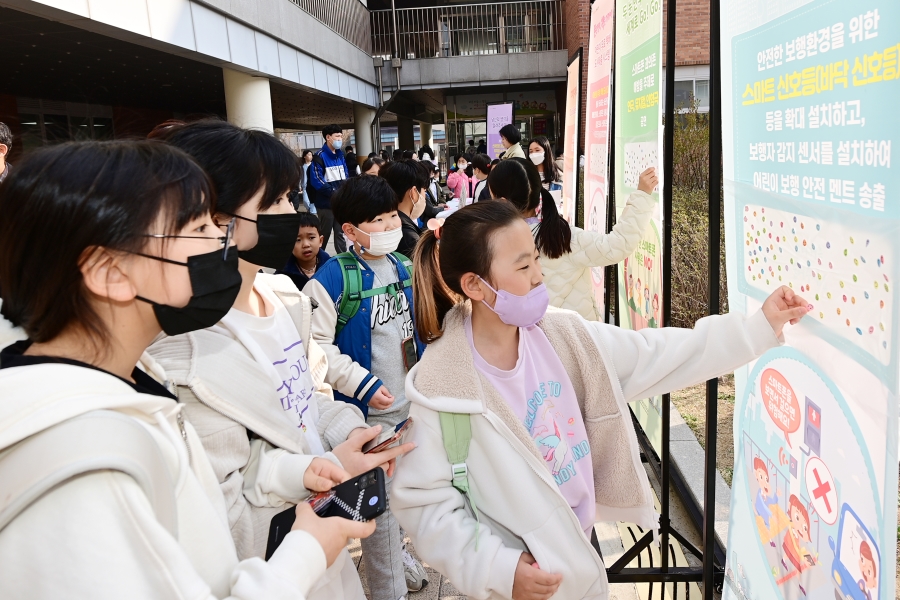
[[180, 419]]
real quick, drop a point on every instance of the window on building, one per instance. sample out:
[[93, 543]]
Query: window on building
[[689, 90]]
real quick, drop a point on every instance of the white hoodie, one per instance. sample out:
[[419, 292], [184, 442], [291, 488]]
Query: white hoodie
[[96, 536], [519, 505]]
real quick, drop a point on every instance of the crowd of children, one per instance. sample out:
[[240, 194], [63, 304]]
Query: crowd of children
[[171, 398]]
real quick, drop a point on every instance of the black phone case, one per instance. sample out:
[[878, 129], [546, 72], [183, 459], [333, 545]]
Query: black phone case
[[362, 498]]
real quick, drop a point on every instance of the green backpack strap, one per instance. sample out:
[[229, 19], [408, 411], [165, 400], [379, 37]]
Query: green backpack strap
[[353, 294], [456, 429], [350, 297]]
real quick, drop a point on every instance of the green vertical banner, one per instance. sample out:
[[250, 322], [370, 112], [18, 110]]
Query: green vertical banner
[[812, 202], [638, 145]]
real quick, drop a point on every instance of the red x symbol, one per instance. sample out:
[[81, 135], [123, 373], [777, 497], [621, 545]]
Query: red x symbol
[[822, 490]]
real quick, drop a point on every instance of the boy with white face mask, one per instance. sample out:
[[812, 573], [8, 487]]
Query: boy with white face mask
[[364, 323]]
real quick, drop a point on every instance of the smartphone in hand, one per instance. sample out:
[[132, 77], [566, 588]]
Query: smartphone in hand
[[362, 498], [387, 438]]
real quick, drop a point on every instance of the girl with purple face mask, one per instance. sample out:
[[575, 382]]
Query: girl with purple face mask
[[522, 429]]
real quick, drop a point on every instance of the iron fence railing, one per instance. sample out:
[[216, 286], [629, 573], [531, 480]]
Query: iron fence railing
[[471, 29], [349, 18]]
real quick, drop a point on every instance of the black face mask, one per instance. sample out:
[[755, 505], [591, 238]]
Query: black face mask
[[277, 235], [215, 283]]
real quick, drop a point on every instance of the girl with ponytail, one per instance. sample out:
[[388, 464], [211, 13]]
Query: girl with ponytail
[[567, 252], [522, 430]]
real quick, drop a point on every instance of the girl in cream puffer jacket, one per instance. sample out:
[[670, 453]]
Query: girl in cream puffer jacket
[[568, 253], [525, 440]]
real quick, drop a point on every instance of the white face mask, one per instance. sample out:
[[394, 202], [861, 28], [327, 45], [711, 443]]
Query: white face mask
[[537, 157], [418, 207], [462, 166], [382, 242]]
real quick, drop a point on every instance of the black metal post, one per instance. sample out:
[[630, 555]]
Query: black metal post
[[612, 270], [669, 165], [715, 202]]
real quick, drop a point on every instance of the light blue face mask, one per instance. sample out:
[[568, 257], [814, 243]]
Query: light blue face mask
[[337, 144]]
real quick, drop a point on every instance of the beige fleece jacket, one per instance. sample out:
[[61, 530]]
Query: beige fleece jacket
[[519, 505], [258, 457], [568, 278]]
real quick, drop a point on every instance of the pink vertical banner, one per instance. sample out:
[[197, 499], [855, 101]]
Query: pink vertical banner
[[597, 129], [498, 115]]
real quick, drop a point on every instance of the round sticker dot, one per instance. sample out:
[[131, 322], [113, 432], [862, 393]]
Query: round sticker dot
[[881, 326], [818, 227], [856, 261], [795, 219], [881, 304], [848, 322], [871, 329], [867, 295], [817, 296], [828, 294], [828, 244], [821, 315], [852, 299], [854, 278], [373, 500], [859, 331], [842, 283], [845, 252], [845, 297], [838, 311], [851, 239]]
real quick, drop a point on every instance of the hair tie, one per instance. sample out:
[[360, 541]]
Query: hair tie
[[435, 226]]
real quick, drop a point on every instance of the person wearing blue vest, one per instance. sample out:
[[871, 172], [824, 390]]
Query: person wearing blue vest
[[365, 324], [326, 175]]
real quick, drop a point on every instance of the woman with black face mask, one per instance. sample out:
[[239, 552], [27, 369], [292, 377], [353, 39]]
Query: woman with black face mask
[[107, 491], [253, 383]]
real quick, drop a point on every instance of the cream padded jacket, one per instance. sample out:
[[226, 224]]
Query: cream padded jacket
[[519, 505], [96, 536], [568, 278]]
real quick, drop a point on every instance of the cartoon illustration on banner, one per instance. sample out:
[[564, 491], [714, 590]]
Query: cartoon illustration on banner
[[811, 202]]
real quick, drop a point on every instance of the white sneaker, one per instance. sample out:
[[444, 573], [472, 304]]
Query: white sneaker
[[416, 577]]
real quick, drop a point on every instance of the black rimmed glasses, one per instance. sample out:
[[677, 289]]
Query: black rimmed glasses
[[224, 241]]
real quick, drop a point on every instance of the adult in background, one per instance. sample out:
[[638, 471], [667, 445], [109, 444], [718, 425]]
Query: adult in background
[[542, 157], [408, 179], [568, 252], [305, 160], [327, 173], [482, 147], [5, 147], [510, 138], [352, 162], [471, 150], [560, 160]]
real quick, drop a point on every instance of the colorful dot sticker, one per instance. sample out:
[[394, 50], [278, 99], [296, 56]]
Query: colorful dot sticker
[[845, 273]]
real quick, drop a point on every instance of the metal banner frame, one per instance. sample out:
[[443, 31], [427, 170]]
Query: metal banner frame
[[711, 574]]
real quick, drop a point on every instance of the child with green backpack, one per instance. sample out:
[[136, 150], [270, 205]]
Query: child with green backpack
[[364, 322]]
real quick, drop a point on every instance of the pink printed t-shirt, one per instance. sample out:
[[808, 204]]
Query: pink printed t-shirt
[[539, 391]]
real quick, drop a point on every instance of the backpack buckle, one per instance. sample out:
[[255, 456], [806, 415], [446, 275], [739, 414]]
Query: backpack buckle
[[460, 475]]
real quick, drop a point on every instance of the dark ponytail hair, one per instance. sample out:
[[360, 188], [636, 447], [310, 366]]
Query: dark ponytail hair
[[482, 162], [465, 246], [510, 179], [518, 180]]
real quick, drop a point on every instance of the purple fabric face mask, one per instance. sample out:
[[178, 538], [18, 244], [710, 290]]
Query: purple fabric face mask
[[520, 311]]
